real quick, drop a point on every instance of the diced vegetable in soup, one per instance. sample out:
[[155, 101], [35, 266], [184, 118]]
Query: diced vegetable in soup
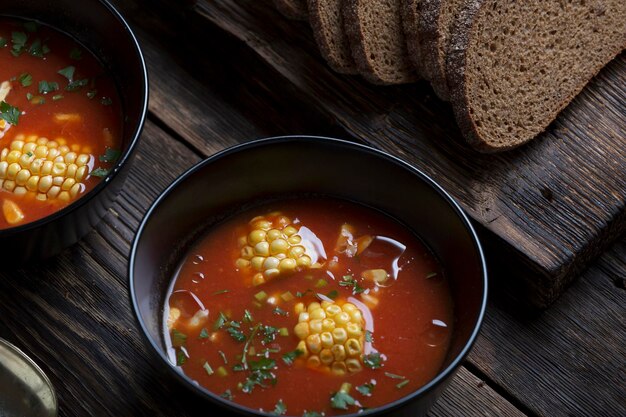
[[309, 306], [60, 121]]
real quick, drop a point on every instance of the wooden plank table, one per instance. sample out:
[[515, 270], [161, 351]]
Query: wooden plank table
[[72, 313]]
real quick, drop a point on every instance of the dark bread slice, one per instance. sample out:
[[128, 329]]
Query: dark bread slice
[[411, 10], [374, 29], [292, 9], [514, 65], [435, 27], [327, 23]]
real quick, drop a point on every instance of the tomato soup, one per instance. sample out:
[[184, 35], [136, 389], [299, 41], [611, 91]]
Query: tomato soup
[[60, 121], [309, 306]]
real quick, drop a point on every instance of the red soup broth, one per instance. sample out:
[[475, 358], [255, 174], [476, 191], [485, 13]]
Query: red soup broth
[[224, 304], [56, 95]]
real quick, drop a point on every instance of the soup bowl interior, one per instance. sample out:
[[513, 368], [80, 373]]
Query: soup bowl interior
[[99, 27], [257, 171]]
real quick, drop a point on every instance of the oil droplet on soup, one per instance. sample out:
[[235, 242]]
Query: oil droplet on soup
[[309, 305], [60, 121]]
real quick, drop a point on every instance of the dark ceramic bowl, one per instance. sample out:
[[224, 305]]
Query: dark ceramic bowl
[[291, 165], [100, 28]]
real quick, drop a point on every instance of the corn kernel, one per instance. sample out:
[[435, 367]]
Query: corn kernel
[[341, 318], [19, 190], [302, 330], [328, 325], [247, 252], [333, 310], [339, 368], [314, 343], [299, 308], [353, 347], [304, 261], [262, 249], [326, 356], [271, 273], [256, 236], [327, 339], [279, 246], [273, 234], [314, 362], [287, 266], [257, 262], [315, 326], [318, 313], [240, 263], [258, 279], [22, 177], [304, 316], [353, 365], [9, 185], [353, 330], [271, 263], [339, 352], [294, 240]]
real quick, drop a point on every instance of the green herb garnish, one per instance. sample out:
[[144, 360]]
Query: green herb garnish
[[402, 384], [181, 358], [394, 376], [68, 72], [208, 368], [3, 42], [46, 87], [8, 113], [221, 320], [269, 334], [100, 172], [289, 357], [333, 294], [247, 317], [19, 43], [366, 389], [236, 333], [261, 372], [227, 395], [204, 334], [369, 337], [349, 281], [76, 84], [280, 408], [31, 26], [280, 312], [25, 79], [178, 338], [311, 414], [106, 101], [373, 360], [76, 54], [38, 49], [341, 400]]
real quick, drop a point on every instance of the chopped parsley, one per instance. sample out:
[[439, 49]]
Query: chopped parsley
[[394, 376], [333, 294], [269, 334], [247, 317], [25, 79], [31, 26], [76, 54], [221, 320], [289, 357], [235, 331], [402, 384], [19, 43], [8, 113], [68, 72], [280, 408], [349, 281], [29, 96], [38, 49], [341, 400], [227, 395], [3, 42], [178, 338], [74, 85], [46, 87], [181, 358], [204, 334], [373, 360], [312, 414], [208, 368], [100, 172], [261, 372], [366, 389], [369, 337], [280, 312]]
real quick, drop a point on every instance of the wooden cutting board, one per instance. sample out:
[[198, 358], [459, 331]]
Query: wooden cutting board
[[554, 204]]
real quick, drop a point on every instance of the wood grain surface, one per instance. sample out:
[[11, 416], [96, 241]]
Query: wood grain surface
[[556, 202], [72, 313]]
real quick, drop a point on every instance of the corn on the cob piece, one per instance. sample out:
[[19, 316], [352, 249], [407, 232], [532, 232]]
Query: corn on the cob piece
[[47, 168], [272, 248], [332, 336]]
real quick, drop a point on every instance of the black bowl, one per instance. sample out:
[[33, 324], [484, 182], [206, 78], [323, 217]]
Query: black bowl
[[291, 165], [100, 28]]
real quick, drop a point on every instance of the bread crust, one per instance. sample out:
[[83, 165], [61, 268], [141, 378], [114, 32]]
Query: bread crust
[[410, 20], [339, 55], [457, 78], [360, 51], [292, 9], [433, 51]]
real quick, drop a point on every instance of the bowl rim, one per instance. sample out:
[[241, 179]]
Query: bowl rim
[[442, 375], [126, 154]]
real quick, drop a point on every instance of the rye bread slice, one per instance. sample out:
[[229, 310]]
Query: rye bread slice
[[411, 11], [292, 9], [374, 30], [327, 23], [435, 26], [514, 65]]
